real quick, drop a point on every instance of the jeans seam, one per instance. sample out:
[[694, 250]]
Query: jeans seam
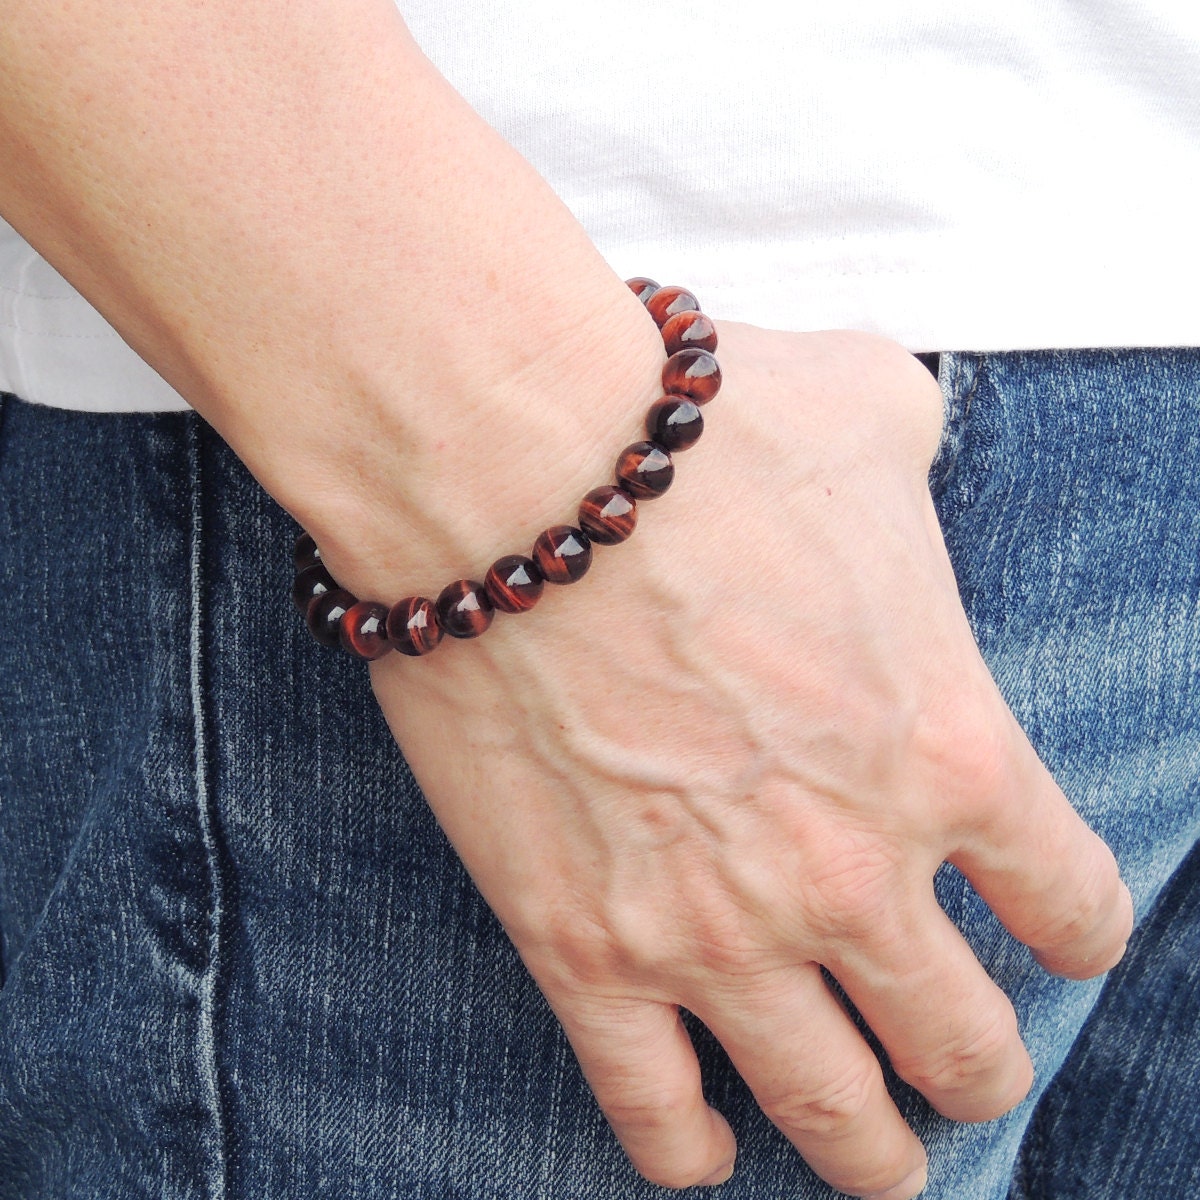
[[206, 1041], [955, 371], [5, 399]]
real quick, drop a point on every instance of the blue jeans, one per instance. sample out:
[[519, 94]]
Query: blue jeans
[[241, 962]]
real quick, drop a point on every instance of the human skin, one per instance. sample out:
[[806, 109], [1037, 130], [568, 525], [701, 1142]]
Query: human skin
[[737, 749]]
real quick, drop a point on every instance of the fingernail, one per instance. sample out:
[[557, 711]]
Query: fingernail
[[912, 1186], [717, 1177]]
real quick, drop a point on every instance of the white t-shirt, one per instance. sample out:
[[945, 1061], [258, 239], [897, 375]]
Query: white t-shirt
[[952, 173]]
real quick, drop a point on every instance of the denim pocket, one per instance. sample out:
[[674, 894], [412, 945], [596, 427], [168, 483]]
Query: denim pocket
[[958, 377], [108, 911]]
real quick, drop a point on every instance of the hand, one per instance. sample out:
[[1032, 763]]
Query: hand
[[737, 751], [741, 746]]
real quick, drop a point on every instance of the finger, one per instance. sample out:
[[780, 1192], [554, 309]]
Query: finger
[[948, 1029], [817, 1080], [640, 1064], [1053, 882]]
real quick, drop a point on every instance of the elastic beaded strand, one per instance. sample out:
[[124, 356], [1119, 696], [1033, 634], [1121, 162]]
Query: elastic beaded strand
[[514, 584], [645, 470], [362, 630], [608, 515], [692, 372], [669, 301], [675, 422], [415, 625], [324, 615], [687, 329], [305, 553], [563, 553], [642, 287], [464, 610], [310, 583]]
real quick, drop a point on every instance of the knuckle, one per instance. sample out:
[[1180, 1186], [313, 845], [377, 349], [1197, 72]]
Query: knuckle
[[1092, 895], [729, 955], [969, 743], [964, 1065], [568, 952], [855, 894], [652, 1110], [1071, 927], [827, 1110]]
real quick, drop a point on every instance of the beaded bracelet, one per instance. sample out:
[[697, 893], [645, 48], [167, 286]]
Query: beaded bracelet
[[561, 554]]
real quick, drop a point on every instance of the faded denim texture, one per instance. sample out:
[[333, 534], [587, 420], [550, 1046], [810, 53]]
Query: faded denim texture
[[241, 962]]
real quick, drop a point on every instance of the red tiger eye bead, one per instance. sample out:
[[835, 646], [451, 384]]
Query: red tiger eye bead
[[692, 372], [513, 583], [689, 329], [642, 287], [675, 422], [608, 515], [645, 469], [310, 582], [668, 301], [562, 553], [362, 630], [464, 610], [324, 615], [305, 552], [413, 627]]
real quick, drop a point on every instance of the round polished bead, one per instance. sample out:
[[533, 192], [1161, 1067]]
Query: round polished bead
[[413, 627], [667, 302], [642, 287], [513, 583], [363, 629], [305, 552], [562, 553], [692, 372], [324, 615], [310, 582], [464, 610], [675, 422], [689, 329], [645, 469], [608, 515]]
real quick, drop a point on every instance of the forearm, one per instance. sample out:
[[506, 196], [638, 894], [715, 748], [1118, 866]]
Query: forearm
[[291, 215]]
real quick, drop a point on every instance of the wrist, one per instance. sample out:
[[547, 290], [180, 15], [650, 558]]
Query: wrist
[[481, 446]]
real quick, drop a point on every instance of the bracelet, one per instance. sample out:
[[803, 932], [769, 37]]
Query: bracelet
[[561, 554]]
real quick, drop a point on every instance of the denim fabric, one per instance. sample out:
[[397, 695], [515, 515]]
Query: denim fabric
[[1121, 1119], [241, 962]]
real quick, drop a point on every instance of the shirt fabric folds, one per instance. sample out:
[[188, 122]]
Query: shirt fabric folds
[[954, 175]]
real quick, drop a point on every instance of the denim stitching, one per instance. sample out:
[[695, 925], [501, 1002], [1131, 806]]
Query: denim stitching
[[947, 377], [206, 1042], [962, 369]]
